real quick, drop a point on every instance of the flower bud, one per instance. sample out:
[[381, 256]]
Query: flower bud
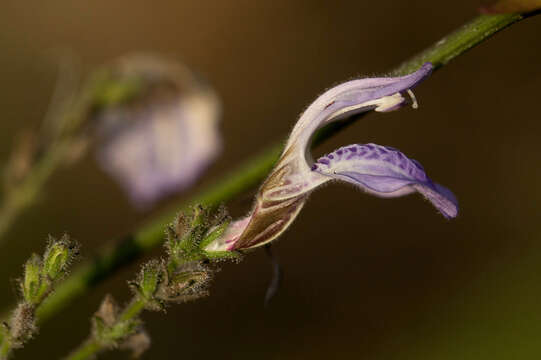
[[108, 311], [57, 257], [151, 276], [186, 284], [148, 283], [107, 328], [32, 282]]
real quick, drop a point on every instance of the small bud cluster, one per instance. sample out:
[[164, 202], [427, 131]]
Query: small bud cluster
[[182, 276], [189, 236], [109, 326], [41, 273]]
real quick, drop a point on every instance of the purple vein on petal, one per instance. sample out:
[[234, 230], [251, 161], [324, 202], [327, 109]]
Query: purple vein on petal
[[385, 172]]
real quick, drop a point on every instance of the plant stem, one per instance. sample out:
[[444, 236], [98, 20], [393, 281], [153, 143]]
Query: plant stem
[[86, 351], [459, 41], [5, 347], [250, 174], [132, 310]]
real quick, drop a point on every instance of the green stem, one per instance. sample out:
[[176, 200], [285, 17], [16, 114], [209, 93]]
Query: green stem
[[459, 41], [248, 175], [132, 310], [87, 351], [5, 347]]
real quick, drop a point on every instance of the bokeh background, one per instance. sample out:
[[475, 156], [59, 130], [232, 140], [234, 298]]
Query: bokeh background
[[364, 278]]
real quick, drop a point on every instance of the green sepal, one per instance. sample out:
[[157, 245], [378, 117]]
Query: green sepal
[[122, 330], [99, 328], [150, 279], [31, 285], [215, 233], [58, 256], [199, 216], [223, 255]]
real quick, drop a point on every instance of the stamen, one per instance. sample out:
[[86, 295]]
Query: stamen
[[414, 103]]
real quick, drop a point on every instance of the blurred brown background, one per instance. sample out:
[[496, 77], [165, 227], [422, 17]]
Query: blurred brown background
[[365, 278]]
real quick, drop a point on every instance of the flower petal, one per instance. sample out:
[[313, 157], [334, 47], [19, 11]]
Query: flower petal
[[385, 172], [353, 97]]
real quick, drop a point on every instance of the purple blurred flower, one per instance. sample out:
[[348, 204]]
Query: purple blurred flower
[[378, 170], [162, 139]]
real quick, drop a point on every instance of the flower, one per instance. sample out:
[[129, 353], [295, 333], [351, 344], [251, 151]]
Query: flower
[[378, 170], [163, 133]]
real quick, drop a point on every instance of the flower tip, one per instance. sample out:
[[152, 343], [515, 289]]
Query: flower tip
[[441, 197], [450, 210]]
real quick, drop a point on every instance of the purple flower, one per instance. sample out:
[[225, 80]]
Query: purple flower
[[162, 139], [378, 170]]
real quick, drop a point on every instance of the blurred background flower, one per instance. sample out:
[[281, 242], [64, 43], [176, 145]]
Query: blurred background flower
[[155, 123], [161, 138]]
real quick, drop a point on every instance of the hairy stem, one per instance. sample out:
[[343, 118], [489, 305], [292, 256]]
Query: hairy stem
[[250, 174], [132, 310]]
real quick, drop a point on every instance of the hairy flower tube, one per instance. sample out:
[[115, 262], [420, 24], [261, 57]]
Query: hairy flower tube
[[378, 170], [163, 133]]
